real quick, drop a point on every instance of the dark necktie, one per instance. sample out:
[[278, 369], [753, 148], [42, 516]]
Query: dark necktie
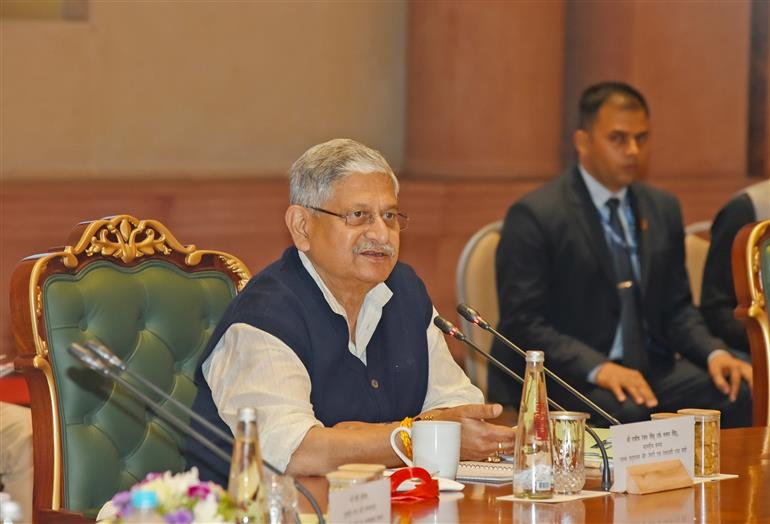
[[634, 353]]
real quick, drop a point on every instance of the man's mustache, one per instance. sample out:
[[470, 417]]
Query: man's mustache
[[386, 249]]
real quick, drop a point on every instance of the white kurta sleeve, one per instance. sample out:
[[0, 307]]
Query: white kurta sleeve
[[448, 385], [252, 368]]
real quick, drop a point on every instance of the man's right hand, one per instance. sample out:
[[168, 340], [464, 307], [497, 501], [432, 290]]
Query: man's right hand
[[479, 439], [621, 380]]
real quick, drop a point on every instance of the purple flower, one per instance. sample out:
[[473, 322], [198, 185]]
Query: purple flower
[[182, 516], [200, 491], [152, 476], [122, 500]]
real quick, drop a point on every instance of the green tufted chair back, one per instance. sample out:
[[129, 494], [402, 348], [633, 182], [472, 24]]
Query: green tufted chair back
[[131, 285]]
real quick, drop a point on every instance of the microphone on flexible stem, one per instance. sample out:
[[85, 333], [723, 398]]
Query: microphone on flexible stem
[[472, 316], [93, 362], [108, 357], [451, 330], [100, 359]]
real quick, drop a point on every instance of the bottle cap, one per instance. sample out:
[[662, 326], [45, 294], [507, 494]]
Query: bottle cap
[[247, 415], [144, 499], [567, 415], [535, 356]]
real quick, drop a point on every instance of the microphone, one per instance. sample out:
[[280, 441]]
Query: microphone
[[111, 359], [450, 329], [91, 361], [99, 358], [472, 316]]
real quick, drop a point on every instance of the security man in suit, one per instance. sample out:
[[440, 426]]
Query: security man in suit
[[590, 269]]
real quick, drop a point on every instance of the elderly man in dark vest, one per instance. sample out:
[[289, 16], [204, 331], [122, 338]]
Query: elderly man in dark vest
[[334, 343]]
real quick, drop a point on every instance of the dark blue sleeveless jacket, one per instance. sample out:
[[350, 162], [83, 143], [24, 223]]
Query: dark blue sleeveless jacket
[[284, 301]]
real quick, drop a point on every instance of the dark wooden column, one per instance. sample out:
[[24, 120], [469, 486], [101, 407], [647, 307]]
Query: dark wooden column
[[759, 91]]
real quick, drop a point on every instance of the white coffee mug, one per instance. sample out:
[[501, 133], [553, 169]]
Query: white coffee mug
[[435, 446]]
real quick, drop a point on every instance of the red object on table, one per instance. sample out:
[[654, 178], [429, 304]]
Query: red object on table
[[427, 488]]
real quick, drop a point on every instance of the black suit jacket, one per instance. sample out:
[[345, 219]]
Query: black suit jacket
[[558, 292], [718, 302]]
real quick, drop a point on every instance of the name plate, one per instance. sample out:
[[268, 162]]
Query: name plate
[[648, 442], [367, 502]]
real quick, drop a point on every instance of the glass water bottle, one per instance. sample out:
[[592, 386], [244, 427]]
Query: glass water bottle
[[246, 468], [533, 464]]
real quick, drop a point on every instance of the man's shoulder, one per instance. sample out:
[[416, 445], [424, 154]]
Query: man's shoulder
[[654, 195], [548, 200], [281, 277], [554, 189], [403, 275]]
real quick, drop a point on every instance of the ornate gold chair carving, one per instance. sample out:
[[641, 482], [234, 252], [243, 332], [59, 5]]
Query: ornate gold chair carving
[[133, 286], [751, 274]]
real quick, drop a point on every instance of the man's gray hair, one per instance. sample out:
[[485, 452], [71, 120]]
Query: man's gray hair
[[313, 175]]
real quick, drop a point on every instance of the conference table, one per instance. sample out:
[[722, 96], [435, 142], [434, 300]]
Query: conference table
[[744, 452]]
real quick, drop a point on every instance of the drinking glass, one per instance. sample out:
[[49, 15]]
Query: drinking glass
[[568, 443], [281, 498]]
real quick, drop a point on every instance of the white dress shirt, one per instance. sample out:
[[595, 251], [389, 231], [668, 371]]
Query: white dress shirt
[[277, 383]]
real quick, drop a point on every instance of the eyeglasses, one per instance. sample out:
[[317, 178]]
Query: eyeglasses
[[357, 218]]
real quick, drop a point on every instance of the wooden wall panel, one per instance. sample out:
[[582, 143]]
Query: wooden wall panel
[[245, 217], [484, 88], [689, 59]]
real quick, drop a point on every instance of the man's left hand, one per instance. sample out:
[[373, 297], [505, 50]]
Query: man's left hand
[[727, 371]]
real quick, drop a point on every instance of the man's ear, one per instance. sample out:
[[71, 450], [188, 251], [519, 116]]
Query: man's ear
[[580, 138], [298, 221]]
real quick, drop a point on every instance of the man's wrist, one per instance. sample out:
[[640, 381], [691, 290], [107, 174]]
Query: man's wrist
[[717, 352], [591, 378]]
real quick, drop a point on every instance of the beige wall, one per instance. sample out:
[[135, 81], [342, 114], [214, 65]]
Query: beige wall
[[210, 88]]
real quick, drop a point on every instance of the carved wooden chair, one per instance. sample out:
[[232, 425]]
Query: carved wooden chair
[[751, 274], [131, 285]]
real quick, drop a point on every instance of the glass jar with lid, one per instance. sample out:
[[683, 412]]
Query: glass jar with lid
[[664, 415], [340, 480], [706, 440], [375, 471]]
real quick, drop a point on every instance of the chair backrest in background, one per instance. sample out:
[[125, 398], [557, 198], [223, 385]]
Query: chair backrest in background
[[476, 286], [696, 249]]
